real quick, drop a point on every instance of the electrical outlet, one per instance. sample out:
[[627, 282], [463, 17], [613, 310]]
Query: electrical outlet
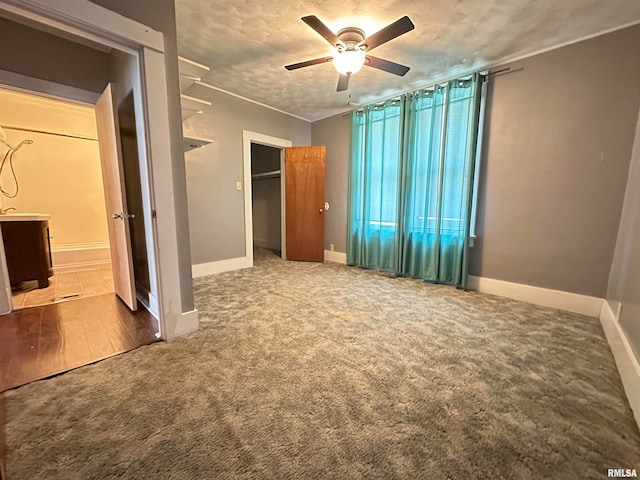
[[332, 247], [238, 186]]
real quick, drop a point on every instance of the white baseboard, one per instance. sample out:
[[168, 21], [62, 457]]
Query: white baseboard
[[81, 256], [571, 302], [337, 257], [626, 361], [211, 268], [187, 323]]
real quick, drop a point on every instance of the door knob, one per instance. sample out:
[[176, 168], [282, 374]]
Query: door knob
[[123, 216], [321, 210]]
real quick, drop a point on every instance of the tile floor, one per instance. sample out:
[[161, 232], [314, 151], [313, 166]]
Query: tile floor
[[64, 286]]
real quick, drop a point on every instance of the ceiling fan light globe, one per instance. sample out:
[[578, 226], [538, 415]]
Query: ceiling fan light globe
[[349, 62]]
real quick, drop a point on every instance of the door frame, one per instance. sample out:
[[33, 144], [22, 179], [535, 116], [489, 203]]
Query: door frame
[[84, 19], [249, 137], [73, 95]]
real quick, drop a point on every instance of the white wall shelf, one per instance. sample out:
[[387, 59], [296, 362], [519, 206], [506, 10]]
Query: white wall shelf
[[191, 143], [191, 69], [190, 74], [187, 81], [192, 105]]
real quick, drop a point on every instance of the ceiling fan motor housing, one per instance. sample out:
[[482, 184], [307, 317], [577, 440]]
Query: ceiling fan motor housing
[[351, 36]]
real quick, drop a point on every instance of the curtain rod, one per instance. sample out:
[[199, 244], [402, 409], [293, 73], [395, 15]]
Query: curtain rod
[[505, 71], [79, 137]]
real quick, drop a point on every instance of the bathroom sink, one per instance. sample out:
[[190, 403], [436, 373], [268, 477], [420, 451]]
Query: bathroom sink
[[24, 217]]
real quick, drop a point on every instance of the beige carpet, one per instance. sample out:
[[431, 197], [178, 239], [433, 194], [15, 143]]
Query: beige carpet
[[326, 371]]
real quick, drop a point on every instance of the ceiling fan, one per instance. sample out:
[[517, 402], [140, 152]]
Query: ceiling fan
[[352, 49]]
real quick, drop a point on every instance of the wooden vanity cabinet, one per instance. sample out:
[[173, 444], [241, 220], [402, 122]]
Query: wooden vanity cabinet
[[28, 251]]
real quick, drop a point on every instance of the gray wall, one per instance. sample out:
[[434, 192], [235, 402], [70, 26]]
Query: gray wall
[[161, 16], [558, 141], [335, 133], [41, 55], [216, 208], [624, 282], [265, 197]]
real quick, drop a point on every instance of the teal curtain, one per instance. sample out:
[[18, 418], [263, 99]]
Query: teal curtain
[[375, 187], [411, 182]]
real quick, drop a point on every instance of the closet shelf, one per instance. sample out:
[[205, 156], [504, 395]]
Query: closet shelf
[[265, 175]]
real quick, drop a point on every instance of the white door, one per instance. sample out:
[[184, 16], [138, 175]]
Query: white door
[[115, 199]]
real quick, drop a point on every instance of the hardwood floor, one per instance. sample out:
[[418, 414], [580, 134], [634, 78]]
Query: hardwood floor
[[64, 286], [39, 342], [3, 439]]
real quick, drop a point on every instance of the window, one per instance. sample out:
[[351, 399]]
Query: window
[[411, 177]]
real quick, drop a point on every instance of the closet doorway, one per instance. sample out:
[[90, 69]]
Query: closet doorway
[[266, 197], [250, 142], [301, 191]]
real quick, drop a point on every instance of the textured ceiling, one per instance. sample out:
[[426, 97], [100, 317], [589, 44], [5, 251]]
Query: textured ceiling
[[246, 43]]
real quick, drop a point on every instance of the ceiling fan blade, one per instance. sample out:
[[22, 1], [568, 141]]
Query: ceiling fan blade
[[391, 31], [315, 23], [308, 63], [343, 83], [386, 65]]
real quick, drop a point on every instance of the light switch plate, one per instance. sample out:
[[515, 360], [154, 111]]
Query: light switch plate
[[238, 186]]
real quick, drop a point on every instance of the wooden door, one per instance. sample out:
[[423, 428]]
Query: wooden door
[[115, 199], [304, 188]]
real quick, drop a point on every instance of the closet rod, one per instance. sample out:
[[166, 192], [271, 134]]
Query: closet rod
[[20, 129], [266, 175]]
